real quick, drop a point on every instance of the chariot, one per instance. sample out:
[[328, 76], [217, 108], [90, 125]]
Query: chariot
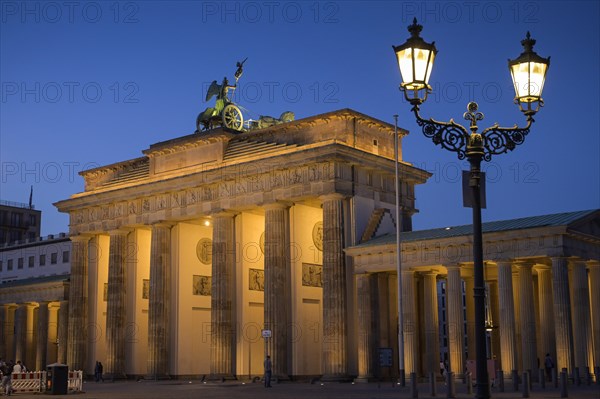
[[225, 112], [229, 115]]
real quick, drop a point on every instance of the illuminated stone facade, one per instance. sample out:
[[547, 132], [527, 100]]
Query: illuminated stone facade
[[276, 207], [543, 277]]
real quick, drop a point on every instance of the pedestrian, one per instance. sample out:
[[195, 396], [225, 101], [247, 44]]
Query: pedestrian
[[442, 368], [6, 371], [97, 371], [268, 367], [18, 367], [100, 371], [548, 365]]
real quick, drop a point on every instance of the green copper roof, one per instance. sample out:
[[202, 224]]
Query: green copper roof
[[556, 219]]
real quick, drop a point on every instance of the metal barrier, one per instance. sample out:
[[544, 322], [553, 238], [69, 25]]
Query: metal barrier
[[30, 381], [35, 381], [76, 381]]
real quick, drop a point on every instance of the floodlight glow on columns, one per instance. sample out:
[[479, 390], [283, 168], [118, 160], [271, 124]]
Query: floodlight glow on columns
[[415, 60], [528, 73]]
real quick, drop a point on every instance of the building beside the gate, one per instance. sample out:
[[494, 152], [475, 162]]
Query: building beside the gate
[[542, 277], [34, 292], [182, 257]]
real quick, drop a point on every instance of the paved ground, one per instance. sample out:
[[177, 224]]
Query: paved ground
[[291, 390]]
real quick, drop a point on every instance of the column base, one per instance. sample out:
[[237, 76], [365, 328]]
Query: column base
[[364, 379], [280, 378], [336, 378], [221, 377], [156, 377]]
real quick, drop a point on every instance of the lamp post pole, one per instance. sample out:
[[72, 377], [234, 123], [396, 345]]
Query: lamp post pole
[[401, 373], [475, 155], [415, 60]]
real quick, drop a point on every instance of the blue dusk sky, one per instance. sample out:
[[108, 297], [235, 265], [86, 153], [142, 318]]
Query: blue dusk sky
[[85, 84]]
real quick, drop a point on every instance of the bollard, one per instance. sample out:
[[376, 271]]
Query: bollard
[[563, 384], [588, 376], [555, 377], [414, 390], [542, 378], [500, 379], [526, 386], [576, 376], [432, 383], [469, 384], [515, 380], [450, 393]]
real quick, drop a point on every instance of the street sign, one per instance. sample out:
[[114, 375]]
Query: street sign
[[266, 333]]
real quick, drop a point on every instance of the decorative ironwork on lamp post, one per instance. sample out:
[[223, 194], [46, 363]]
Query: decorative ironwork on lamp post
[[528, 71]]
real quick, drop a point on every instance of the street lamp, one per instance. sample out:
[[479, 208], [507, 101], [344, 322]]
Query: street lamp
[[415, 61]]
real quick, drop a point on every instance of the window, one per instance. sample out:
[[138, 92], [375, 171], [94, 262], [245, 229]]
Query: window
[[31, 261], [53, 258], [0, 265], [65, 256], [31, 236], [20, 263], [42, 260], [32, 220], [9, 266]]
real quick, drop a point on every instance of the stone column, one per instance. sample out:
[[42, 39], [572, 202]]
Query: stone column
[[367, 326], [432, 336], [528, 338], [52, 347], [9, 331], [277, 285], [470, 310], [562, 313], [508, 356], [21, 333], [223, 297], [456, 336], [115, 306], [3, 337], [547, 337], [30, 343], [76, 343], [411, 323], [517, 302], [63, 332], [159, 302], [334, 290], [582, 325], [594, 267], [42, 337]]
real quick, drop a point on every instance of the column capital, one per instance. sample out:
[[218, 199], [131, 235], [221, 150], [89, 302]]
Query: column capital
[[592, 264], [333, 196], [502, 262], [121, 231], [83, 238], [452, 266], [430, 272], [277, 205], [522, 263], [542, 267], [575, 260], [163, 223], [224, 213]]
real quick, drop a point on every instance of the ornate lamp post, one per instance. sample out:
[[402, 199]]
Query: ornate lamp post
[[415, 60]]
